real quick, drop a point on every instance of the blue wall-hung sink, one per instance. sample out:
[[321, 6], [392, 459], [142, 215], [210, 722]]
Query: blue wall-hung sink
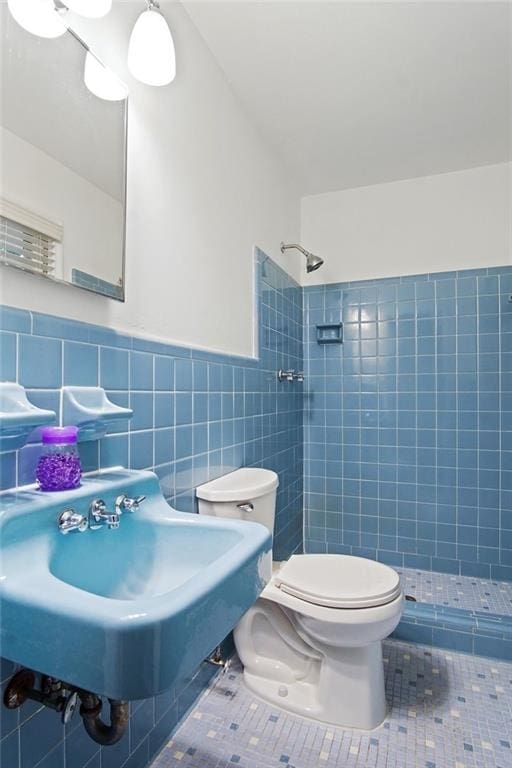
[[123, 612]]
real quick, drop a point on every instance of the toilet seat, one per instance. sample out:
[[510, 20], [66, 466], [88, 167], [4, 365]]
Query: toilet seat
[[338, 581]]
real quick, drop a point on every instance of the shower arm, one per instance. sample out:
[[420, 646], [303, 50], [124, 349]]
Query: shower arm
[[284, 247]]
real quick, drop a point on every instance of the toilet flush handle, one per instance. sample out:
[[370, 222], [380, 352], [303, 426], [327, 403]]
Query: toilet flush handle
[[246, 507]]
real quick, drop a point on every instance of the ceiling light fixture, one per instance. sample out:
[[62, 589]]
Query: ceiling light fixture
[[151, 55], [101, 81], [39, 17]]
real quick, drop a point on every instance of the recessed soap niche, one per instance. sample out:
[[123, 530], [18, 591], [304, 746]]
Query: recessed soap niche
[[329, 333]]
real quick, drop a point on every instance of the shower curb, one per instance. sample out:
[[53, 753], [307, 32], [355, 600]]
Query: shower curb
[[456, 629]]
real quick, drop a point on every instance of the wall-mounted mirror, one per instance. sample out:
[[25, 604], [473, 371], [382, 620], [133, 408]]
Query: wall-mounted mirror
[[63, 163]]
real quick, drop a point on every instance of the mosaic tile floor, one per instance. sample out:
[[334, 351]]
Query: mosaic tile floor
[[449, 710], [458, 591]]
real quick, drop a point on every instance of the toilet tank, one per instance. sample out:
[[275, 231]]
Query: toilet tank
[[245, 494]]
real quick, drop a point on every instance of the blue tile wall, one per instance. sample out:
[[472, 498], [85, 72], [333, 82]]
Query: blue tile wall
[[408, 423], [197, 415], [404, 432]]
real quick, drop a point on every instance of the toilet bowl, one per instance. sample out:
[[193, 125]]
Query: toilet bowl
[[312, 642]]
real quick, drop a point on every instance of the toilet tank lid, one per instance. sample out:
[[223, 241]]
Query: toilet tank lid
[[241, 485]]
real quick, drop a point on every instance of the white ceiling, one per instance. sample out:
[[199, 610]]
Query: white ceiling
[[357, 93]]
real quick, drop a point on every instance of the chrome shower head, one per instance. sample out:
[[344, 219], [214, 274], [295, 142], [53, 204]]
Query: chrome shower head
[[312, 262]]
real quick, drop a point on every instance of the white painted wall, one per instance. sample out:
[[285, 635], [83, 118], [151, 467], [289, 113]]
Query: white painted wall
[[203, 189], [450, 221], [42, 185]]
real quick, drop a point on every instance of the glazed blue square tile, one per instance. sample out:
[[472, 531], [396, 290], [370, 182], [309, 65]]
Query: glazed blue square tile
[[164, 409], [425, 290], [114, 368], [164, 373], [200, 438], [79, 748], [9, 750], [445, 289], [141, 371], [141, 450], [164, 446], [466, 286], [405, 292], [89, 455], [116, 755], [183, 442], [38, 736], [40, 362], [200, 376], [80, 364], [142, 405], [214, 377], [141, 723], [183, 401], [488, 305], [8, 356], [200, 406], [183, 375]]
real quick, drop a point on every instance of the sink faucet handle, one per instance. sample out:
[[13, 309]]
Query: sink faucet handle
[[69, 520], [99, 515], [126, 503]]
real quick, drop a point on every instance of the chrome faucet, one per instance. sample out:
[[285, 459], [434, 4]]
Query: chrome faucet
[[69, 521], [126, 504], [290, 375], [98, 515]]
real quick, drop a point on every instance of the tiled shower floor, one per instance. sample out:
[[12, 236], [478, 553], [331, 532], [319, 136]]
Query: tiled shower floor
[[448, 710], [458, 591]]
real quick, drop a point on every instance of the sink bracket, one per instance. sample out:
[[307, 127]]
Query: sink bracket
[[52, 693], [217, 659], [19, 689]]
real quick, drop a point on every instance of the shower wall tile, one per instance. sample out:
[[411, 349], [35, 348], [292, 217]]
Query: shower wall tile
[[408, 423]]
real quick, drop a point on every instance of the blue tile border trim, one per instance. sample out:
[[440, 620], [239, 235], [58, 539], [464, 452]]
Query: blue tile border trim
[[475, 632]]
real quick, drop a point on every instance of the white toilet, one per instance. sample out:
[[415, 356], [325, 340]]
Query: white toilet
[[311, 643]]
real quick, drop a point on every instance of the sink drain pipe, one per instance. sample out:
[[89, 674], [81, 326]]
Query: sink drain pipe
[[98, 730], [62, 698]]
